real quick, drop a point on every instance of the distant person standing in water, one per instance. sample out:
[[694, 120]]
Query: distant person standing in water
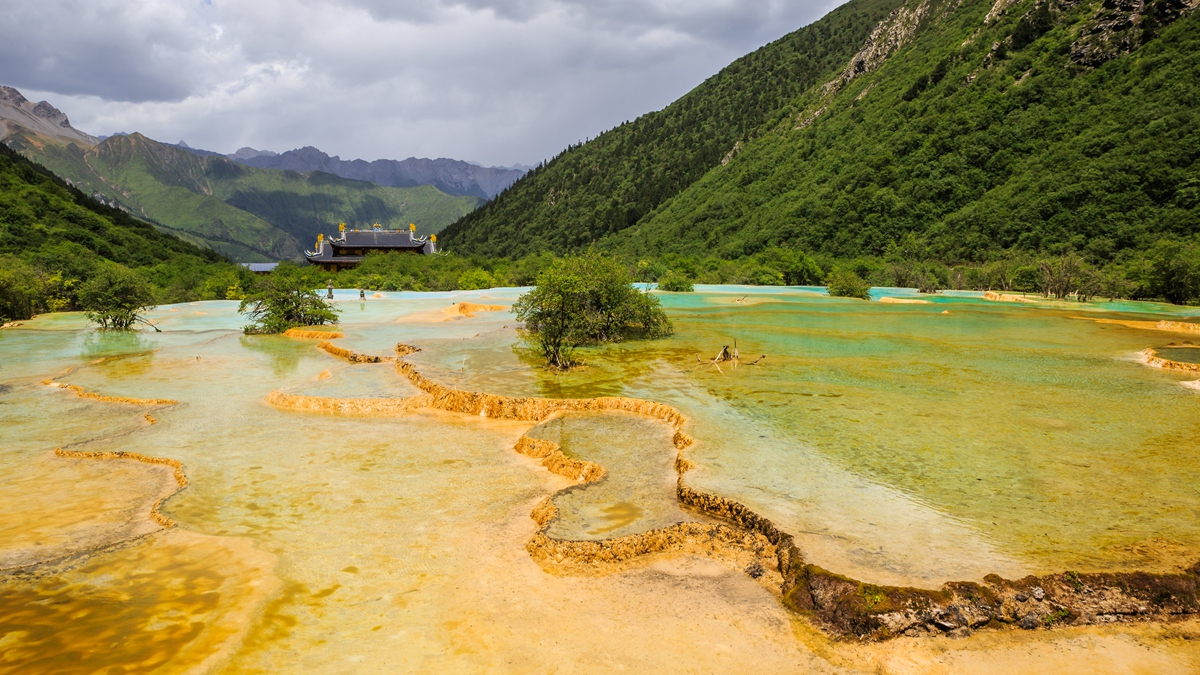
[[362, 294]]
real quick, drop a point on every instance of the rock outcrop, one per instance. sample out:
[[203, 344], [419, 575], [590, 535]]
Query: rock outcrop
[[1120, 26], [894, 32]]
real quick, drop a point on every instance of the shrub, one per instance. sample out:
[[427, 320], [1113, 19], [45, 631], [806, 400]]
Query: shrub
[[285, 299], [587, 299], [116, 297], [675, 283], [847, 284]]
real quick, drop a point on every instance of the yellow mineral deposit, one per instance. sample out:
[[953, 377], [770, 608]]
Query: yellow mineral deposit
[[56, 509], [84, 393], [313, 333], [1006, 297], [558, 463], [359, 407], [1165, 326], [181, 480], [1150, 357], [803, 587], [351, 356], [470, 308], [459, 310], [182, 603], [903, 301]]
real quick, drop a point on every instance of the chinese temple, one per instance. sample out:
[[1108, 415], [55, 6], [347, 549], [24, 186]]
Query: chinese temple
[[352, 246]]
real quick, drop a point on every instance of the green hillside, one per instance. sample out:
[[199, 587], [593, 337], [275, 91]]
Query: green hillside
[[304, 204], [52, 238], [246, 213], [957, 131], [956, 151], [614, 181]]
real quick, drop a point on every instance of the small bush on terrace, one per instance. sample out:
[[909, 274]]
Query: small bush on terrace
[[285, 299], [587, 299], [847, 284], [116, 297], [675, 283]]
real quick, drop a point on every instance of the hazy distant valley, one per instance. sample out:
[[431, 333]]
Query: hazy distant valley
[[250, 205]]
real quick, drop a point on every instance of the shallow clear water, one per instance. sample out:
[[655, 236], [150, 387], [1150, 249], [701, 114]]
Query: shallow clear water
[[1181, 354], [638, 492], [899, 443], [908, 445]]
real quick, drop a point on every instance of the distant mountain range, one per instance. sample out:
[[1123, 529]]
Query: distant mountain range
[[246, 212], [452, 176]]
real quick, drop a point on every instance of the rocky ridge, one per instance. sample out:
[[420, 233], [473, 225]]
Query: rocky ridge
[[16, 111]]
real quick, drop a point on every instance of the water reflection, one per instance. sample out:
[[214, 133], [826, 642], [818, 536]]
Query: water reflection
[[107, 343], [282, 353]]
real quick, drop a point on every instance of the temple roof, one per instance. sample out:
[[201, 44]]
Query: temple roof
[[350, 247], [378, 239]]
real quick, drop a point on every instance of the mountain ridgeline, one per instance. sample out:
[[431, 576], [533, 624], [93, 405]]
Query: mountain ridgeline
[[939, 129], [452, 176]]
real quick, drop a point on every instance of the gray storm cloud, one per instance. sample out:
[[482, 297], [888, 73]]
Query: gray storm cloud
[[494, 81]]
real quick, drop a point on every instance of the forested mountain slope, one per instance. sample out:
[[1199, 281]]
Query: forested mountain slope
[[949, 130], [1034, 126], [53, 238], [38, 212], [613, 181]]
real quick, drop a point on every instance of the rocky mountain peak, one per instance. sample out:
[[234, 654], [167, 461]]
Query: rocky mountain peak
[[12, 96], [250, 153], [42, 119], [46, 111]]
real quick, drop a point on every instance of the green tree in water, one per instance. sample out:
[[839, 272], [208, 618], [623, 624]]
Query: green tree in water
[[675, 282], [285, 299], [116, 297], [584, 300], [847, 284]]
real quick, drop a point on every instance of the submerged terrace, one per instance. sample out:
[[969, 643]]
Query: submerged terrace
[[903, 445]]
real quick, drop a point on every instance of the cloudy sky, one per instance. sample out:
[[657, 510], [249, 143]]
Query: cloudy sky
[[492, 81]]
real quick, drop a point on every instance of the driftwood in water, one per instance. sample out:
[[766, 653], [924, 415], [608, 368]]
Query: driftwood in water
[[728, 355]]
